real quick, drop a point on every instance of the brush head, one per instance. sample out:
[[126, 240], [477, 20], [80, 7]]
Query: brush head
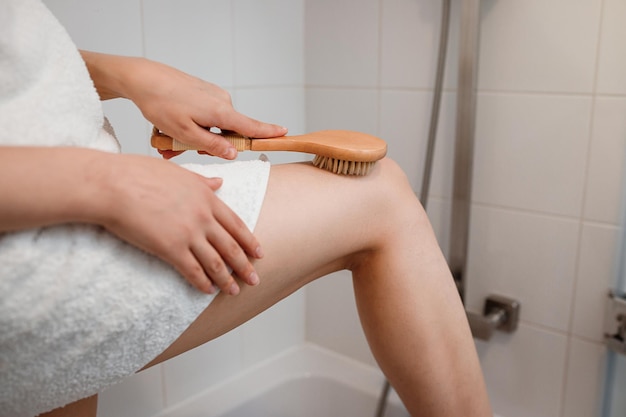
[[339, 166]]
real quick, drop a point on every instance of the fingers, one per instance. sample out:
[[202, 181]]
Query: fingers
[[214, 183], [226, 251], [218, 259], [204, 140], [252, 128], [167, 154]]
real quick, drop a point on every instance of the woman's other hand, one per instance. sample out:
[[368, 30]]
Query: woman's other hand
[[180, 105]]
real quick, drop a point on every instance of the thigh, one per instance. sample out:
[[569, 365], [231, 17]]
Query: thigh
[[311, 224]]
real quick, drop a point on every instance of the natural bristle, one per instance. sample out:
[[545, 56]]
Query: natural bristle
[[340, 166]]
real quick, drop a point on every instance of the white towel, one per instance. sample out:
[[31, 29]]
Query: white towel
[[80, 309]]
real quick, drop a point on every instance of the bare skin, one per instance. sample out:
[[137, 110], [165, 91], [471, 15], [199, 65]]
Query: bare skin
[[406, 298], [312, 223]]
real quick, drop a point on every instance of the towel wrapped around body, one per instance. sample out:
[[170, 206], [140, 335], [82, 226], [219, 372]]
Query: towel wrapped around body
[[80, 309]]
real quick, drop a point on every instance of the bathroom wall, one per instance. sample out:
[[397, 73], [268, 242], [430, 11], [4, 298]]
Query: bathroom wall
[[547, 178], [253, 49], [550, 143]]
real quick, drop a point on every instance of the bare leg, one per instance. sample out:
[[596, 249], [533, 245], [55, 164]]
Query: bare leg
[[314, 223]]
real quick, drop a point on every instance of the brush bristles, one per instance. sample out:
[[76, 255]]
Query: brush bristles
[[340, 166]]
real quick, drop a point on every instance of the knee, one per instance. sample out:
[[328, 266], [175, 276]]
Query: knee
[[395, 191], [393, 201]]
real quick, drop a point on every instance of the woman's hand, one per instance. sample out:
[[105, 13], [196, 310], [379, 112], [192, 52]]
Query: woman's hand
[[180, 105], [174, 214], [153, 204]]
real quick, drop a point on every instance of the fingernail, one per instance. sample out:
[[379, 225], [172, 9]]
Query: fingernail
[[258, 252], [234, 289], [253, 279]]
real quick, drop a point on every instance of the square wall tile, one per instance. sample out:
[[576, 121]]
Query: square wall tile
[[586, 366], [113, 27], [342, 109], [537, 45], [524, 372], [341, 43], [332, 320], [131, 129], [196, 370], [404, 117], [404, 124], [605, 193], [410, 37], [443, 158], [276, 329], [279, 105], [195, 36], [612, 59], [597, 264], [529, 257], [531, 152], [269, 42], [140, 395]]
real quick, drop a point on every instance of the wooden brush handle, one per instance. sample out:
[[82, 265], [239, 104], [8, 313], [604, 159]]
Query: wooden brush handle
[[340, 144]]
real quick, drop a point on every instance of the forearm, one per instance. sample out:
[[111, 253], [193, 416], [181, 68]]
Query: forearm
[[45, 186], [110, 73]]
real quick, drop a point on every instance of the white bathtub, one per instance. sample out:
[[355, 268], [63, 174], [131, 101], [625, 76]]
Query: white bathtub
[[307, 381]]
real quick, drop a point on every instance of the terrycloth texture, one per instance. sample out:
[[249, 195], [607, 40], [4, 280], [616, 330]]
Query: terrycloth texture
[[80, 309], [46, 95]]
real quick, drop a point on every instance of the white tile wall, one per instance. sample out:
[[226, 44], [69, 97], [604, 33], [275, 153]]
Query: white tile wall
[[194, 371], [112, 28], [612, 60], [585, 379], [603, 198], [416, 23], [536, 45], [141, 395], [548, 170], [359, 109], [524, 371], [599, 245], [195, 36], [531, 152], [331, 300], [268, 42], [525, 256], [341, 43]]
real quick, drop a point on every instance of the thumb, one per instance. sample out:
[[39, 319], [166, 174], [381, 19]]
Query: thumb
[[253, 128]]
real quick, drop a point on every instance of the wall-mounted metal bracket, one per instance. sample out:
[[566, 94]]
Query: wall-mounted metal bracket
[[499, 313], [615, 323]]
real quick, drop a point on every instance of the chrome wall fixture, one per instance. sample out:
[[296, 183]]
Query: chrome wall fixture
[[500, 313], [464, 144], [615, 323]]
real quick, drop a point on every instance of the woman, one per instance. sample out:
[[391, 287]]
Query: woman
[[112, 263]]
